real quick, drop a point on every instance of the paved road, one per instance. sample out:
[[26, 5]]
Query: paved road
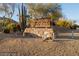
[[68, 35]]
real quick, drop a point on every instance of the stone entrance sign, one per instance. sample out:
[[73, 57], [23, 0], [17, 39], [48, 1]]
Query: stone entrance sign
[[40, 23], [41, 28]]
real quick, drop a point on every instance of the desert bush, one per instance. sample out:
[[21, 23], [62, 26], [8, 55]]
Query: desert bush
[[63, 23], [18, 27], [6, 22], [74, 26], [12, 27], [6, 30]]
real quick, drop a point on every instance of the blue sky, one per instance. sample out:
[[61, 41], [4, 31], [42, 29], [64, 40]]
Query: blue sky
[[15, 16], [71, 11]]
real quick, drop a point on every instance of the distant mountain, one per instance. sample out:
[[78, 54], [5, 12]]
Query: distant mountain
[[13, 21]]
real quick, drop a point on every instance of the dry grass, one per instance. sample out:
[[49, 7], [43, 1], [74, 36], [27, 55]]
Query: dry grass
[[39, 47]]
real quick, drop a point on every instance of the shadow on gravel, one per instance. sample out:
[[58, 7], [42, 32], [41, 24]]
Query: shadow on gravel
[[19, 35], [31, 35]]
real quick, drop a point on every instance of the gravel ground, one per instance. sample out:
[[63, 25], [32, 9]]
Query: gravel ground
[[37, 47]]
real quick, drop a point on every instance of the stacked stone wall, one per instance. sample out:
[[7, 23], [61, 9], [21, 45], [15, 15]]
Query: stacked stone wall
[[40, 31]]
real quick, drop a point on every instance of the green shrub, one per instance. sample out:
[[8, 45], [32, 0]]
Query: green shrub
[[12, 27], [6, 30], [63, 23]]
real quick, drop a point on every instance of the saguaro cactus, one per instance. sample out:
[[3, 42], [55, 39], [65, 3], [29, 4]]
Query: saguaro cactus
[[22, 16]]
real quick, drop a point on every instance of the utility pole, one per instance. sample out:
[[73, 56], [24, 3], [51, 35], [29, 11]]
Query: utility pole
[[72, 31]]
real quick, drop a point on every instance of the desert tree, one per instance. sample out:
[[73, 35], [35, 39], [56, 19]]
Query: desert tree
[[11, 10], [42, 10], [4, 8], [7, 9]]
